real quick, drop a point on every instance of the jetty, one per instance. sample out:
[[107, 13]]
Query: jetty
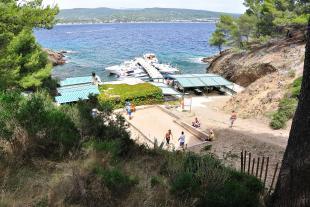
[[151, 70]]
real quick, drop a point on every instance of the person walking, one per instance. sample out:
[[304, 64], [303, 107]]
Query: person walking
[[168, 136], [233, 118], [182, 140]]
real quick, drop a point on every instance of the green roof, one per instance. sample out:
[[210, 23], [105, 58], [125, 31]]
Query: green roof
[[200, 80]]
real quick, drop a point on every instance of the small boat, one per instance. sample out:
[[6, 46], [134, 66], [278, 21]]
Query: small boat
[[125, 67]]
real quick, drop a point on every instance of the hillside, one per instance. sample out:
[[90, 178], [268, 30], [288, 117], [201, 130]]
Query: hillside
[[107, 15], [266, 71]]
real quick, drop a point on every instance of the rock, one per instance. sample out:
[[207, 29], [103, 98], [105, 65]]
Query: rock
[[56, 58]]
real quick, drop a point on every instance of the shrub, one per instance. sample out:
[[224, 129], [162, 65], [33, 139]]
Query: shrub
[[184, 185], [287, 106], [207, 182], [111, 146], [115, 179], [35, 126], [296, 86], [155, 180], [140, 94], [238, 190]]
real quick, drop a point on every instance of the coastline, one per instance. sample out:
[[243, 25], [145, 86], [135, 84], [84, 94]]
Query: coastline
[[99, 23]]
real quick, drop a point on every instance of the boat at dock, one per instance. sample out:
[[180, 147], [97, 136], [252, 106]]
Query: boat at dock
[[146, 67]]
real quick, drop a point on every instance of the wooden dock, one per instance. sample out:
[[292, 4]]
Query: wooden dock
[[151, 70]]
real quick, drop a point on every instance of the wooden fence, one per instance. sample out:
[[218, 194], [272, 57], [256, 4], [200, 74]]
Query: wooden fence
[[258, 167]]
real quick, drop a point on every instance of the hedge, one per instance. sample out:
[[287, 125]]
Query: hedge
[[139, 94]]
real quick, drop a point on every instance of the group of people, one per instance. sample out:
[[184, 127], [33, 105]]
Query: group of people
[[181, 139], [196, 124], [130, 108]]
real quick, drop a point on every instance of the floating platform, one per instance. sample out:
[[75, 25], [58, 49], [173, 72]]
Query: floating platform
[[150, 70]]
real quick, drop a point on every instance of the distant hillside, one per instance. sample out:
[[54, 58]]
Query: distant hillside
[[107, 15]]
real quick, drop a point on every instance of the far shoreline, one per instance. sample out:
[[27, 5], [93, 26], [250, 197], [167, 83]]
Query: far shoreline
[[103, 23]]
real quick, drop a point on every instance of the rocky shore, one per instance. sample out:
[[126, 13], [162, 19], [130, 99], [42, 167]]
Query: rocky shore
[[56, 58], [265, 71]]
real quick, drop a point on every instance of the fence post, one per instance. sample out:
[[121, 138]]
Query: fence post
[[273, 178], [249, 164], [262, 168], [253, 165], [241, 161], [257, 167], [266, 172], [244, 160]]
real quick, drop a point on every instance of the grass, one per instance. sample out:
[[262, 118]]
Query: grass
[[140, 94], [287, 106]]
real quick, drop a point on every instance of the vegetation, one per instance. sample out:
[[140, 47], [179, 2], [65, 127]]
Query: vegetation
[[107, 15], [140, 94], [287, 106], [262, 20], [61, 155], [22, 62]]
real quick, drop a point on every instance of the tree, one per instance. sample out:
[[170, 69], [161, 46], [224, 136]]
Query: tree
[[22, 61], [293, 186], [218, 39]]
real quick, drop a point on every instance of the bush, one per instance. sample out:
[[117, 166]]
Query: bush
[[296, 86], [184, 185], [238, 190], [110, 146], [115, 180], [287, 106], [140, 94], [34, 126], [155, 180], [207, 182]]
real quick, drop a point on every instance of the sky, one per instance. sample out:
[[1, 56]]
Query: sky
[[231, 6]]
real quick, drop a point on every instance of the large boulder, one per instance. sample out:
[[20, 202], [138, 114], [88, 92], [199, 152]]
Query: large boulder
[[56, 58]]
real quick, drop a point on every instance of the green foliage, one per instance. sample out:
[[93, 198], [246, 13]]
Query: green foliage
[[296, 87], [155, 180], [263, 18], [110, 146], [218, 39], [115, 179], [287, 106], [185, 184], [47, 130], [205, 180], [140, 94], [22, 61]]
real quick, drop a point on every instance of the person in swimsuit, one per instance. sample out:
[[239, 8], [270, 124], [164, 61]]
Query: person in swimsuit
[[168, 136]]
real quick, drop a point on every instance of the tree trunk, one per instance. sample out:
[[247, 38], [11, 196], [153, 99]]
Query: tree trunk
[[293, 186]]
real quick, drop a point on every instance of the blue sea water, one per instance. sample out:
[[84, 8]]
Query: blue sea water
[[94, 47]]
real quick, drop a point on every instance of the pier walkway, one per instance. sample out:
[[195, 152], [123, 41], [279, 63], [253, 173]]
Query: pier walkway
[[151, 70]]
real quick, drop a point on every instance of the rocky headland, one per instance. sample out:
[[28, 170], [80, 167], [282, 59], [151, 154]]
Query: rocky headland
[[264, 70]]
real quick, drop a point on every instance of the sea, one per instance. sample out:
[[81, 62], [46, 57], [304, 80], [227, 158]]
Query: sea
[[93, 47]]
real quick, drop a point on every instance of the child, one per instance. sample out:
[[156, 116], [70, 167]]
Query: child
[[182, 140], [233, 118]]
